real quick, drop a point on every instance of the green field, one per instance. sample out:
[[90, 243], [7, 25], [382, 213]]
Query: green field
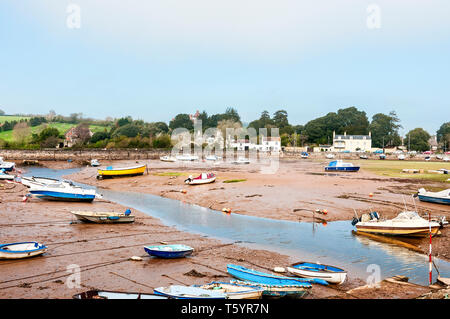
[[9, 118], [62, 128]]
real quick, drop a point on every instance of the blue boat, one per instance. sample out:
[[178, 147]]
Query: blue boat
[[340, 166], [279, 291], [442, 197], [62, 191], [331, 274], [246, 274], [7, 166], [169, 251], [21, 250]]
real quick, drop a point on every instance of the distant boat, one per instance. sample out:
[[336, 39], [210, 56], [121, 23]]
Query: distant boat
[[241, 160], [169, 251], [401, 157], [99, 294], [203, 178], [279, 291], [331, 274], [104, 217], [4, 176], [246, 274], [168, 159], [213, 158], [405, 224], [63, 192], [21, 250], [341, 166], [330, 156], [382, 156], [7, 166], [234, 290], [442, 197], [189, 292], [187, 157], [95, 163], [120, 172], [446, 159], [304, 155], [363, 156]]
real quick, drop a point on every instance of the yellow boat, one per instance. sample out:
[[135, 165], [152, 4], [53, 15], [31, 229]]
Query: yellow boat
[[119, 172]]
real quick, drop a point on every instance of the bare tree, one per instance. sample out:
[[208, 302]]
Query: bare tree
[[20, 132]]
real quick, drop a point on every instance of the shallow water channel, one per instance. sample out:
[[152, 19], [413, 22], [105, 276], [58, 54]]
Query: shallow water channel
[[335, 243]]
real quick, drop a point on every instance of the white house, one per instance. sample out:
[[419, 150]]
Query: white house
[[267, 144], [351, 143]]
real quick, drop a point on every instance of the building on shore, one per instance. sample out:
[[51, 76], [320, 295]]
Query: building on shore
[[352, 143]]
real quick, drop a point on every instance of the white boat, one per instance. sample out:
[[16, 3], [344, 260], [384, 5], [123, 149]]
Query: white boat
[[234, 290], [168, 159], [407, 223], [187, 157], [7, 166], [104, 217], [4, 176], [63, 191], [186, 292], [401, 157], [241, 160], [446, 159], [328, 273], [442, 197], [40, 181], [330, 155], [21, 250], [95, 163], [203, 178], [213, 158]]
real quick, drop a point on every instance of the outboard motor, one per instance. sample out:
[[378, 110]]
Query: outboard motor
[[127, 212], [355, 221]]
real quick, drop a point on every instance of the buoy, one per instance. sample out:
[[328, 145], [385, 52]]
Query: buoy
[[183, 191], [325, 211], [370, 195], [25, 198], [136, 258]]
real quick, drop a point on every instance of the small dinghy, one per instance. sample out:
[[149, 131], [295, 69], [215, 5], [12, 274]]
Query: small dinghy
[[95, 163], [169, 251], [203, 178], [187, 157], [246, 274], [328, 273], [442, 197], [234, 290], [167, 159], [63, 191], [401, 157], [382, 156], [241, 160], [21, 250], [189, 292], [121, 172], [98, 294], [279, 291], [340, 166], [7, 166], [213, 158], [104, 217], [330, 156], [304, 155], [363, 156]]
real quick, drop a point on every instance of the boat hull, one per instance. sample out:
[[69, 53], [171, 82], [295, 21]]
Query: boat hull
[[399, 231], [121, 172], [202, 181], [437, 200], [183, 292], [234, 290], [333, 277], [278, 291], [19, 254], [96, 294], [104, 219], [342, 169], [60, 196], [178, 253]]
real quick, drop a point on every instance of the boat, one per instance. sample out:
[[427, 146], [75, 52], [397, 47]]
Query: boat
[[234, 290], [95, 163], [104, 217], [213, 158], [279, 291], [341, 166], [21, 250], [40, 181], [401, 157], [103, 294], [407, 223], [442, 197], [251, 275], [7, 166], [363, 156], [168, 159], [241, 160], [446, 159], [5, 176], [63, 191], [331, 274], [428, 158], [187, 157], [304, 155], [203, 178], [122, 171], [330, 156], [169, 251], [382, 156], [189, 292]]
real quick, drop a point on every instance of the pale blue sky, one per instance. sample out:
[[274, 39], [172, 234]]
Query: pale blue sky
[[155, 59]]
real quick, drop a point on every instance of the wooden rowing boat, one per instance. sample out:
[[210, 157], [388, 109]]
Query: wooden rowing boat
[[279, 291], [104, 217], [328, 273], [234, 290], [189, 292], [103, 294], [21, 250], [169, 251]]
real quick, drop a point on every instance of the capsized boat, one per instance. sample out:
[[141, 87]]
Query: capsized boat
[[247, 274], [7, 166], [121, 172], [99, 294], [442, 197], [278, 291], [169, 251], [341, 166], [203, 178], [189, 292], [21, 250], [407, 223], [63, 191], [331, 274], [104, 217], [168, 159], [234, 290]]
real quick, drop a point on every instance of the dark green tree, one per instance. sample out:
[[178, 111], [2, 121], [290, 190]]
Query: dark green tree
[[417, 140]]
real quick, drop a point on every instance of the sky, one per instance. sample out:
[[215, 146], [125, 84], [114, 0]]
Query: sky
[[154, 59]]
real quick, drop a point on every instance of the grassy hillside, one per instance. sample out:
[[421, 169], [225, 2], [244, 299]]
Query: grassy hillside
[[9, 118]]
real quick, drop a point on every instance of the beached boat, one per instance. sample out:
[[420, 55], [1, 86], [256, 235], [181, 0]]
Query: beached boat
[[121, 172], [330, 156], [167, 159], [21, 250], [279, 291], [203, 178], [213, 158], [5, 176], [331, 274], [95, 163], [363, 156], [7, 166], [189, 292], [63, 191], [241, 160], [340, 166], [234, 290], [187, 157], [104, 217], [247, 274], [40, 181], [169, 251], [401, 157], [304, 155], [99, 294], [405, 224], [442, 197], [382, 156]]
